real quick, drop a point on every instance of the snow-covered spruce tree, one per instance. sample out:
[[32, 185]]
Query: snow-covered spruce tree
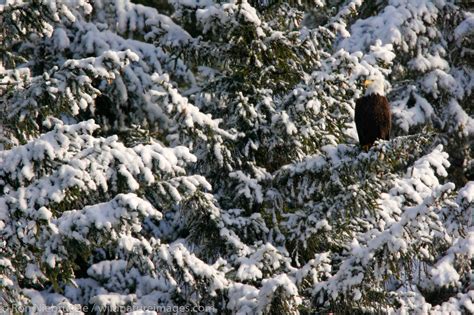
[[94, 215], [203, 153]]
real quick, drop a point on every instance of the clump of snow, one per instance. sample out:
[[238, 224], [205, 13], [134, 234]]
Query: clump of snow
[[465, 27]]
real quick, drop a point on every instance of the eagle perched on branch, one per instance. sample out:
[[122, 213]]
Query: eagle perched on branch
[[372, 114]]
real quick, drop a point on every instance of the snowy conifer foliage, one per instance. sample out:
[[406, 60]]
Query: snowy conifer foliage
[[201, 156]]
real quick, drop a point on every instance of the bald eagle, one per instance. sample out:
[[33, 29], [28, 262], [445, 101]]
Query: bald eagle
[[372, 114]]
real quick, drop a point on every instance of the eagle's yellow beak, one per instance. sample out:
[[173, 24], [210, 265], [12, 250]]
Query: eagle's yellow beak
[[368, 82]]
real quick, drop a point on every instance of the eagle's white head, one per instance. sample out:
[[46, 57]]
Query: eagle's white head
[[374, 85]]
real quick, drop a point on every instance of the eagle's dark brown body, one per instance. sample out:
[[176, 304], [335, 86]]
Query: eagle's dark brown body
[[373, 119]]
